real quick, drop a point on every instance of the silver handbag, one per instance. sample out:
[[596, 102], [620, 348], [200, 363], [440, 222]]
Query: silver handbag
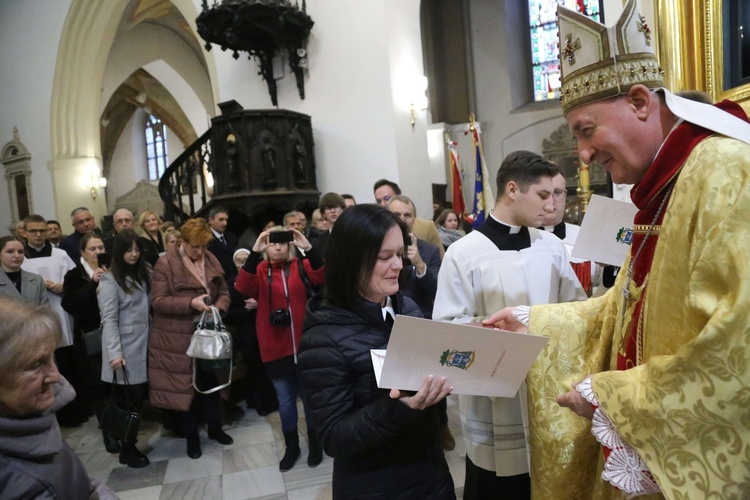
[[210, 343]]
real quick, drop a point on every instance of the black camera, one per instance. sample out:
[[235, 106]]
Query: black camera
[[280, 237], [280, 317]]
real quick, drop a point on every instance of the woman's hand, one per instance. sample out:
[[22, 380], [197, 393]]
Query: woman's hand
[[98, 273], [251, 304], [199, 303], [117, 363], [261, 243], [505, 320], [300, 241], [431, 392]]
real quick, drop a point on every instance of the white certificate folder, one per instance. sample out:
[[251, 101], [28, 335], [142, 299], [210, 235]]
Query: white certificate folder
[[473, 359]]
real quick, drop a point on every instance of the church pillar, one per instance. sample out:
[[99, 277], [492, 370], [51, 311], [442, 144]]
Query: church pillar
[[76, 184]]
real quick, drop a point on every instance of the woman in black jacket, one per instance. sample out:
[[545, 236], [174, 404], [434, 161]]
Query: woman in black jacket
[[384, 445], [79, 300]]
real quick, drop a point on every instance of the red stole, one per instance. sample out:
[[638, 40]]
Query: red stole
[[648, 195]]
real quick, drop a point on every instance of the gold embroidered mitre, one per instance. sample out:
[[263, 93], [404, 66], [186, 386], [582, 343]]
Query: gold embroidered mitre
[[597, 62]]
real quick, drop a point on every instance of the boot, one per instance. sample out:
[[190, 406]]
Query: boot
[[292, 453], [218, 435], [132, 457], [315, 452], [111, 444], [194, 445]]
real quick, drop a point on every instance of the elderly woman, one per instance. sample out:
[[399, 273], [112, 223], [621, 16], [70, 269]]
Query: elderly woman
[[276, 279], [185, 281], [384, 445], [14, 281], [35, 462], [152, 239], [448, 226]]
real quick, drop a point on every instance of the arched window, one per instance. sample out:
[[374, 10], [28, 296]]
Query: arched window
[[156, 147], [544, 51]]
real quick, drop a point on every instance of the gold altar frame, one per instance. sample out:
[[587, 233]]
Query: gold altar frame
[[690, 44]]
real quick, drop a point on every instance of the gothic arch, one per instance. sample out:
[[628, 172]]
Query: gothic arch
[[88, 35]]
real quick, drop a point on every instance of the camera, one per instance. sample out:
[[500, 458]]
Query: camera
[[280, 317]]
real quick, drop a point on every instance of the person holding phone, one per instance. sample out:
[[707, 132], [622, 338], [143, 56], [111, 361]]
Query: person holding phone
[[79, 300], [277, 280]]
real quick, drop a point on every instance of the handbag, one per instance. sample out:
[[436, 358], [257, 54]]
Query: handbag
[[92, 341], [211, 342], [119, 417]]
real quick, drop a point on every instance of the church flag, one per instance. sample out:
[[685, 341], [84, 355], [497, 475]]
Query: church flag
[[457, 186], [483, 198]]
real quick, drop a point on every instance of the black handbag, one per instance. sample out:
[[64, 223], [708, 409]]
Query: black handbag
[[119, 417], [92, 341]]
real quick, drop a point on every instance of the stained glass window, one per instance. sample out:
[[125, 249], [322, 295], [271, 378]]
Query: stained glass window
[[544, 52], [156, 148]]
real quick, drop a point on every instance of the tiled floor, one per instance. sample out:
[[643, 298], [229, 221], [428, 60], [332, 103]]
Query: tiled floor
[[246, 469]]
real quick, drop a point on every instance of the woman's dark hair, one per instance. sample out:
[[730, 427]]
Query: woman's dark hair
[[440, 221], [88, 237], [353, 251], [7, 239], [139, 272]]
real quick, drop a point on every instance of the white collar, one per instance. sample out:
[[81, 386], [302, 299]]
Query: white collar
[[513, 229], [388, 308]]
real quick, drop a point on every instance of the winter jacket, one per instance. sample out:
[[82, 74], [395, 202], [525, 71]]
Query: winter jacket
[[35, 462], [79, 300], [277, 342], [173, 287], [381, 447]]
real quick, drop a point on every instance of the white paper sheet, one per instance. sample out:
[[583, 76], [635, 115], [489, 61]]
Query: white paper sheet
[[606, 231], [475, 360]]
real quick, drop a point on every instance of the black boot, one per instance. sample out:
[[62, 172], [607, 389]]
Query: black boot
[[111, 444], [218, 435], [194, 445], [315, 453], [292, 453], [132, 457]]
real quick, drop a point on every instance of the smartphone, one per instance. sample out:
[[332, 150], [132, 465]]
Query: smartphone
[[281, 237], [102, 260]]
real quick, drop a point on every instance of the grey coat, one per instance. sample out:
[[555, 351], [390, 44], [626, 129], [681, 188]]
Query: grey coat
[[33, 288], [125, 328]]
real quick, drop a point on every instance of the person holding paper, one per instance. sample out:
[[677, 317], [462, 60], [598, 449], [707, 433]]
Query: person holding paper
[[504, 262], [384, 445], [659, 362]]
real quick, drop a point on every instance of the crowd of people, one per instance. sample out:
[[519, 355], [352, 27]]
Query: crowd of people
[[648, 375]]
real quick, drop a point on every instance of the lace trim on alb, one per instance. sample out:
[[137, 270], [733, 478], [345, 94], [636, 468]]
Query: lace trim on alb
[[624, 468], [521, 313]]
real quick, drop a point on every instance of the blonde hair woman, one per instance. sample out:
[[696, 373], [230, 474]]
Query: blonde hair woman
[[152, 239]]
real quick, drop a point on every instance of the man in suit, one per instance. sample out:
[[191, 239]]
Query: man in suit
[[331, 206], [224, 243], [123, 219], [84, 223], [385, 190]]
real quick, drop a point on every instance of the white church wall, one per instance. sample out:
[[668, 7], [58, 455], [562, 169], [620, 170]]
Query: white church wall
[[128, 161], [25, 83]]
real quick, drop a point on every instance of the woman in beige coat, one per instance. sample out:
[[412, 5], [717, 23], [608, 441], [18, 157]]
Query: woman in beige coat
[[184, 281]]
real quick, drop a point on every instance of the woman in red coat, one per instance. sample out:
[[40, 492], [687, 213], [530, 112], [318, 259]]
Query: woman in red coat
[[280, 283], [184, 281]]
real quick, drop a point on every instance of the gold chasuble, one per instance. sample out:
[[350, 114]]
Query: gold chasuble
[[684, 405]]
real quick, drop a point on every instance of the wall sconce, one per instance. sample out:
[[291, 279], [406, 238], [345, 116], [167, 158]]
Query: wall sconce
[[419, 99], [95, 184]]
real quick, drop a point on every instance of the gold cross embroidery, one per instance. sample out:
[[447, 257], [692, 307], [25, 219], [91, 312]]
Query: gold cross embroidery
[[570, 48], [643, 28]]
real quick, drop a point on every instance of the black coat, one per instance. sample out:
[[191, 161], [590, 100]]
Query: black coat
[[381, 447], [225, 254], [79, 300]]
